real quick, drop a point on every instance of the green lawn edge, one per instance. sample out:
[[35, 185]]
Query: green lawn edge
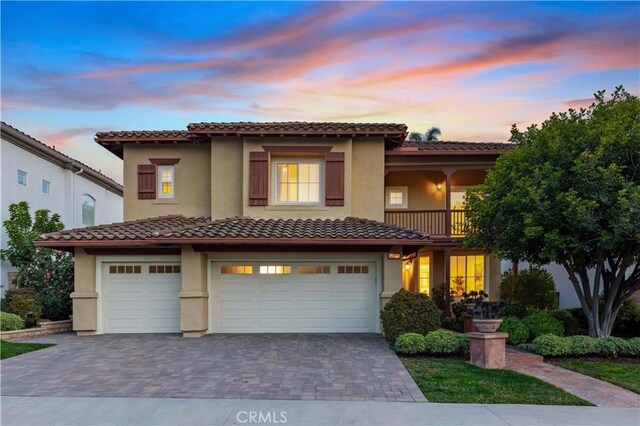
[[621, 372], [457, 381], [11, 349]]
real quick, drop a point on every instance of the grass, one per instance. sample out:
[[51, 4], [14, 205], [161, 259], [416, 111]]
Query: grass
[[455, 380], [623, 372], [10, 349]]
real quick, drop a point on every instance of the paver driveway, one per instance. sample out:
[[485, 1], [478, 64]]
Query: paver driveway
[[257, 366]]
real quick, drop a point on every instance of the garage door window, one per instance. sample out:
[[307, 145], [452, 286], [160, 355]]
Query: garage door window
[[355, 269], [164, 269], [125, 269], [237, 269], [314, 269], [275, 269]]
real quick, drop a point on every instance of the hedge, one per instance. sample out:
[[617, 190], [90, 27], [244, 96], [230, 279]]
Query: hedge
[[578, 346]]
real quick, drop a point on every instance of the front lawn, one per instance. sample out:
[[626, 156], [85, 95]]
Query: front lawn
[[9, 349], [455, 380], [623, 372]]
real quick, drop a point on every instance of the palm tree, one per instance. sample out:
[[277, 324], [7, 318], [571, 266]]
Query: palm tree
[[415, 136], [432, 134]]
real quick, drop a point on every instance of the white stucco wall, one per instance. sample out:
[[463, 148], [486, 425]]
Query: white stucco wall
[[61, 198]]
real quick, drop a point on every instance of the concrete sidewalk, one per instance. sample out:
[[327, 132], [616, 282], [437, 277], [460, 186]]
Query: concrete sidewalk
[[18, 410]]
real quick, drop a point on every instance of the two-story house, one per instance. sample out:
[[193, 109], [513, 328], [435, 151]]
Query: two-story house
[[275, 227], [46, 178]]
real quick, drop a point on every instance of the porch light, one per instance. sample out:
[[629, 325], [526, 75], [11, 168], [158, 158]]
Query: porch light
[[394, 255], [439, 186], [407, 266]]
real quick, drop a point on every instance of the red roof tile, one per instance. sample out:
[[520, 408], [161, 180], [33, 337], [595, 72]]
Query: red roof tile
[[457, 146], [300, 127]]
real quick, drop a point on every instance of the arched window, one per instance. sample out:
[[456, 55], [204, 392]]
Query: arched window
[[88, 210]]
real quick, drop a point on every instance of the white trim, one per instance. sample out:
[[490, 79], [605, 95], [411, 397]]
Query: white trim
[[173, 181], [405, 197], [297, 160]]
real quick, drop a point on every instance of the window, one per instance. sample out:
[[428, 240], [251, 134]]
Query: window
[[22, 177], [314, 269], [275, 269], [356, 269], [165, 181], [297, 182], [88, 210], [396, 197], [467, 274], [424, 274], [237, 269], [164, 269], [125, 269], [46, 187]]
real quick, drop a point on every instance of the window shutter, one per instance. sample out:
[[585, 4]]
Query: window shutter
[[258, 178], [146, 181], [334, 185]]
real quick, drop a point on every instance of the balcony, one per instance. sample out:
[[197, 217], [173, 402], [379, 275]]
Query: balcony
[[432, 222]]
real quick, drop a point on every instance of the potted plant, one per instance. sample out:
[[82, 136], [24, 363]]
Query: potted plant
[[472, 301], [486, 318]]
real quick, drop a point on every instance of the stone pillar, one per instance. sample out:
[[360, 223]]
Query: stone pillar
[[488, 349], [391, 278], [84, 296], [194, 297]]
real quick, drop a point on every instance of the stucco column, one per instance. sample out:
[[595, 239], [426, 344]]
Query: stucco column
[[84, 296], [391, 278], [447, 282], [447, 201], [194, 297]]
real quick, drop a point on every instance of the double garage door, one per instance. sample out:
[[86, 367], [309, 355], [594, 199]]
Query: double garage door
[[245, 297]]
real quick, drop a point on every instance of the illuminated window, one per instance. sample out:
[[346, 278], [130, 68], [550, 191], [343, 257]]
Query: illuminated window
[[237, 269], [165, 181], [275, 269], [313, 269], [467, 274], [297, 182], [396, 197], [424, 274]]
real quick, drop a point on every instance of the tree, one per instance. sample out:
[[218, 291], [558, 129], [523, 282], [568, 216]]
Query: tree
[[22, 231], [415, 136], [569, 193], [432, 134]]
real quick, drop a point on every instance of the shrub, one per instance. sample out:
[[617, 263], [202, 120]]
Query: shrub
[[633, 348], [532, 288], [10, 322], [437, 294], [611, 347], [582, 345], [550, 345], [455, 324], [515, 310], [441, 342], [463, 343], [22, 302], [543, 323], [409, 312], [627, 323], [518, 332], [410, 344], [572, 326]]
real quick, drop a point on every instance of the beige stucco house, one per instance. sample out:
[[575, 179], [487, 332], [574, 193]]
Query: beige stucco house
[[275, 227]]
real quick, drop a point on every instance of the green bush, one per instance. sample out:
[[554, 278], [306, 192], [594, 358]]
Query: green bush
[[543, 323], [550, 345], [572, 326], [582, 345], [515, 310], [532, 288], [611, 347], [410, 344], [409, 312], [633, 348], [455, 324], [518, 332], [463, 343], [438, 295], [441, 342], [10, 322], [627, 323], [20, 302]]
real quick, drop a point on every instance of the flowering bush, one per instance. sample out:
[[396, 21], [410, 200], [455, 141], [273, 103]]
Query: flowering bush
[[50, 277]]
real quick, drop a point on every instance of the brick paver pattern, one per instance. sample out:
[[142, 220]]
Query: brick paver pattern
[[352, 367], [596, 391]]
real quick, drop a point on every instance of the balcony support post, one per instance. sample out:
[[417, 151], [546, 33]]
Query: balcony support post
[[447, 282], [447, 200]]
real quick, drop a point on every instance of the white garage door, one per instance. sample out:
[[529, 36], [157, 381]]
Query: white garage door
[[141, 297], [278, 297]]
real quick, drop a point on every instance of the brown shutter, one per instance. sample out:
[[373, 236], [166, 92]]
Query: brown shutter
[[146, 181], [258, 178], [334, 188]]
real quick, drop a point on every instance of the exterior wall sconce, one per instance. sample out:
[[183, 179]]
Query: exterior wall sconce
[[439, 186], [395, 253], [407, 266]]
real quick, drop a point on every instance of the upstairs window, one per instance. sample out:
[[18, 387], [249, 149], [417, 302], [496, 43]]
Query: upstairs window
[[46, 187], [297, 182], [165, 182], [88, 210], [396, 197], [22, 177]]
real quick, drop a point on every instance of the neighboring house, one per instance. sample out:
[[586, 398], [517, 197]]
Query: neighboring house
[[276, 227], [48, 179]]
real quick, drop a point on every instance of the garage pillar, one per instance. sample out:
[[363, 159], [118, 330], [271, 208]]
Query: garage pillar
[[84, 296], [391, 278], [194, 298]]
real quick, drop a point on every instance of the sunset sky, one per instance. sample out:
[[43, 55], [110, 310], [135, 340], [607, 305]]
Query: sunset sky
[[473, 69]]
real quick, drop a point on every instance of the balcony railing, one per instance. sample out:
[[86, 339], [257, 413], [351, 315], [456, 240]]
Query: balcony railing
[[431, 222]]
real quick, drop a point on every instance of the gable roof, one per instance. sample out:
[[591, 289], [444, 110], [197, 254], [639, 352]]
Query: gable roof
[[178, 229], [29, 143]]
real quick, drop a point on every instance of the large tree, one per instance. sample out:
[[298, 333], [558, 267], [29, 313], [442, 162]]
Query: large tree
[[569, 193]]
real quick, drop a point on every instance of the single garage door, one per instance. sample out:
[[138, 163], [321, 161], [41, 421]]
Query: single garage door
[[301, 297], [141, 297]]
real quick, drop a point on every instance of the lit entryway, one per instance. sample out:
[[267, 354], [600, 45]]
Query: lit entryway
[[302, 297], [141, 297]]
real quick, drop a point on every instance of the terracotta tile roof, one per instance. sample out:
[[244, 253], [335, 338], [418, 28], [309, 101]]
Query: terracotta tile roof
[[179, 229], [457, 146], [299, 127], [141, 134]]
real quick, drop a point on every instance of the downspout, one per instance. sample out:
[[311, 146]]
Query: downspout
[[74, 196]]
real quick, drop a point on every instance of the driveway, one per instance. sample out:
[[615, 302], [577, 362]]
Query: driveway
[[351, 367]]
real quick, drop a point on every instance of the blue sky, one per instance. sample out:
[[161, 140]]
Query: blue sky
[[70, 69]]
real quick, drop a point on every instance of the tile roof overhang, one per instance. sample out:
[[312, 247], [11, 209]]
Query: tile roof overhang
[[177, 229], [393, 134], [412, 148]]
